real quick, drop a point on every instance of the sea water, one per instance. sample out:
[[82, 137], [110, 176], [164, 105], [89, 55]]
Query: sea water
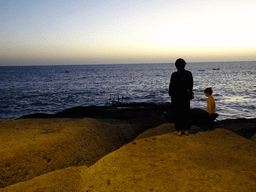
[[27, 90]]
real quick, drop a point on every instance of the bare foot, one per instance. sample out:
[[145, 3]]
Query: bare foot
[[179, 133]]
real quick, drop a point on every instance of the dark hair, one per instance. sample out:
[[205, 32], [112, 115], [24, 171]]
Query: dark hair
[[208, 90], [180, 63]]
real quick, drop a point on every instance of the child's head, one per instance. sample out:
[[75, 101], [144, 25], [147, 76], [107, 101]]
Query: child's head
[[208, 91]]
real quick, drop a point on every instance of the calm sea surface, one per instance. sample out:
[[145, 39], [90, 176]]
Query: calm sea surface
[[49, 89]]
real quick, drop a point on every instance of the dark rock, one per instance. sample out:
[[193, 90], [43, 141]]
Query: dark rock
[[243, 127], [37, 116], [149, 115]]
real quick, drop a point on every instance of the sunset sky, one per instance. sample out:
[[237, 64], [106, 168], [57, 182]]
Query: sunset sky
[[37, 32]]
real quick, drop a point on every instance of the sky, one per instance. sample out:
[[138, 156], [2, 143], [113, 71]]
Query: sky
[[50, 32]]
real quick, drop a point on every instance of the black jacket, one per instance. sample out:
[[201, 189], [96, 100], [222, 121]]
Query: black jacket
[[181, 84]]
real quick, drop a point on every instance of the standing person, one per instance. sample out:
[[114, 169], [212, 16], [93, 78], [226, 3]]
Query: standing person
[[180, 90], [211, 108]]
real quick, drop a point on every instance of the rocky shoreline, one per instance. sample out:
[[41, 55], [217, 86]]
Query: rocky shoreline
[[89, 148], [146, 113]]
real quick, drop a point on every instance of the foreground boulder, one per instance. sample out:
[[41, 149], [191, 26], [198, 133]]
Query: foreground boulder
[[32, 147], [67, 179], [211, 161], [208, 161]]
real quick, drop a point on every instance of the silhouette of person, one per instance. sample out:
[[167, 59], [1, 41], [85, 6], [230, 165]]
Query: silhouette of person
[[180, 90]]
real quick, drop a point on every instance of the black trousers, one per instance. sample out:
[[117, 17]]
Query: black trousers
[[181, 114], [209, 118]]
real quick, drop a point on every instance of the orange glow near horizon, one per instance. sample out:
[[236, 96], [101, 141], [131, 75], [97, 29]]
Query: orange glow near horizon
[[129, 32]]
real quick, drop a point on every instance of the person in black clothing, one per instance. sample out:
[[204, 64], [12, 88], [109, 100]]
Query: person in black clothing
[[180, 90]]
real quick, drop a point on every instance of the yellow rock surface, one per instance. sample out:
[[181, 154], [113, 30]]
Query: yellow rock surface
[[208, 161], [33, 147], [160, 130], [68, 179]]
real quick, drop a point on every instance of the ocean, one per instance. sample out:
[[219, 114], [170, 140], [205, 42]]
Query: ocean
[[48, 89]]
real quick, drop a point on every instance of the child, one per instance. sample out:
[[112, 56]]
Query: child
[[211, 108]]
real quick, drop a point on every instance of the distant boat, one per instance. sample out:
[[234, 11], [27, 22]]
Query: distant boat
[[216, 68]]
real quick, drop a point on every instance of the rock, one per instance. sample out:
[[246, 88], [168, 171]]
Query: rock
[[253, 138], [121, 111], [32, 147], [243, 127], [68, 179], [160, 130], [143, 112], [195, 128], [246, 132], [219, 160], [146, 121], [216, 160], [197, 116]]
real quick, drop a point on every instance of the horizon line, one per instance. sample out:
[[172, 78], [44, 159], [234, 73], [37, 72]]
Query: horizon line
[[122, 63]]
